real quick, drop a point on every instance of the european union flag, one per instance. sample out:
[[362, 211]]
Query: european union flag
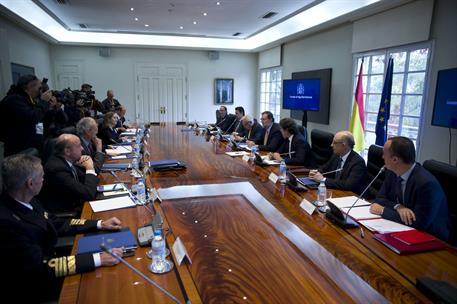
[[384, 106]]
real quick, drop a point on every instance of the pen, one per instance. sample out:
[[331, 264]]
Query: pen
[[362, 234]]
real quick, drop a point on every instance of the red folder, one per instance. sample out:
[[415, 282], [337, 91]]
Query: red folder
[[401, 247], [413, 237]]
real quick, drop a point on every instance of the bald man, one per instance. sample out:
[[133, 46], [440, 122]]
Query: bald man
[[70, 177], [352, 174]]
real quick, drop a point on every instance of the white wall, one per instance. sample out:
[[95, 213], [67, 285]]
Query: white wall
[[23, 48], [118, 72], [435, 142], [330, 49]]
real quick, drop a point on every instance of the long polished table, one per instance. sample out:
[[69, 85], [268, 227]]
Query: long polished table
[[249, 240]]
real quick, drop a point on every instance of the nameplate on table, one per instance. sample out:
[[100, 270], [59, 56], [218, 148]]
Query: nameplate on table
[[307, 206], [273, 178], [155, 195], [245, 158], [180, 251]]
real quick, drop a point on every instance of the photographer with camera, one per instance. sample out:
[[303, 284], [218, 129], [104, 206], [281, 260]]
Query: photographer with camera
[[21, 115]]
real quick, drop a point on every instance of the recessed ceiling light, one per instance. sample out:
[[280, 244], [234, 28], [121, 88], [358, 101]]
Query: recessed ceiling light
[[181, 27], [146, 25], [218, 3], [132, 9], [136, 19], [195, 22], [205, 14]]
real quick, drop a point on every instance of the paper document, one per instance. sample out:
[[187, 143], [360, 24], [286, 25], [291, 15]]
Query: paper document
[[119, 157], [118, 150], [384, 226], [270, 162], [237, 153], [112, 203], [360, 213], [113, 193], [347, 201], [110, 187]]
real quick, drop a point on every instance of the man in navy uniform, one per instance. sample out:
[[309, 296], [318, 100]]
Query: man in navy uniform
[[28, 235], [410, 194]]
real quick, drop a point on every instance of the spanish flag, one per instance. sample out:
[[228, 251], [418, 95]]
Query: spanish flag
[[357, 119]]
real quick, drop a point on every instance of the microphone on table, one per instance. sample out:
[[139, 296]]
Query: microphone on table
[[337, 215], [120, 259]]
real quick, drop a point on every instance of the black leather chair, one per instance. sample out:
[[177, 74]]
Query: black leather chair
[[2, 153], [321, 142], [374, 164], [447, 176]]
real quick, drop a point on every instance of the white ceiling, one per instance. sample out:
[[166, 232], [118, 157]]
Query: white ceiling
[[166, 16], [112, 22]]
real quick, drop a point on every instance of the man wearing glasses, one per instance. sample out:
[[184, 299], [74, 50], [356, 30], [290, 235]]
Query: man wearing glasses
[[271, 139], [347, 167]]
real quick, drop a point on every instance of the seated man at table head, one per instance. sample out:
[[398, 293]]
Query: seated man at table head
[[28, 235], [237, 127], [110, 104], [294, 150], [70, 176], [353, 171], [252, 130], [271, 138], [410, 194], [108, 132], [224, 120], [87, 130]]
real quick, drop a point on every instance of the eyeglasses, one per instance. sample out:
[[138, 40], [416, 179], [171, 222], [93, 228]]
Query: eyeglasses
[[337, 142]]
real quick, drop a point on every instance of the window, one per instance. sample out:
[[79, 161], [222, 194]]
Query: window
[[270, 91], [408, 89]]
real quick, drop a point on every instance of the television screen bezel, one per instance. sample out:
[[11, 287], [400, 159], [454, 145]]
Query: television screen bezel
[[434, 102]]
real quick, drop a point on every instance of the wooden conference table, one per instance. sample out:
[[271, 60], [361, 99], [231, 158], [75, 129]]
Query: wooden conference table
[[250, 250]]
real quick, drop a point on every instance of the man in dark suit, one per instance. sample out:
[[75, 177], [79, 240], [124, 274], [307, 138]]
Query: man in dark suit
[[237, 127], [252, 130], [87, 130], [353, 171], [28, 235], [70, 177], [410, 194], [271, 138], [294, 150], [224, 120], [21, 115]]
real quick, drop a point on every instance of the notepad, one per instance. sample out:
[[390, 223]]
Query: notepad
[[112, 204], [360, 213], [110, 187], [91, 244], [236, 153], [348, 201], [384, 226]]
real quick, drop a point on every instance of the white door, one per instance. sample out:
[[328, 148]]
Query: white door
[[161, 92], [68, 75]]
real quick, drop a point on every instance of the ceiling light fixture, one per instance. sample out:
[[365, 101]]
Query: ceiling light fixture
[[205, 14], [195, 22], [146, 25], [218, 3], [132, 9], [181, 27], [136, 19]]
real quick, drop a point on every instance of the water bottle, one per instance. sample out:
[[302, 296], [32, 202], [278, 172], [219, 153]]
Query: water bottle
[[253, 152], [141, 191], [283, 172], [135, 163], [322, 194], [157, 251], [136, 150]]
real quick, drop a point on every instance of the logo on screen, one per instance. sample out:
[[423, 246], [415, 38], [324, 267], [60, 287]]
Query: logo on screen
[[300, 89]]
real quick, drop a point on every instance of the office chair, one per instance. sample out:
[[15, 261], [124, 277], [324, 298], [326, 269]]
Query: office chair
[[321, 142], [374, 164], [447, 177]]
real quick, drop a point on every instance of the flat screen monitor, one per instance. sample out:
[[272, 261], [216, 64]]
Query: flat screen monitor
[[445, 108], [301, 94]]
